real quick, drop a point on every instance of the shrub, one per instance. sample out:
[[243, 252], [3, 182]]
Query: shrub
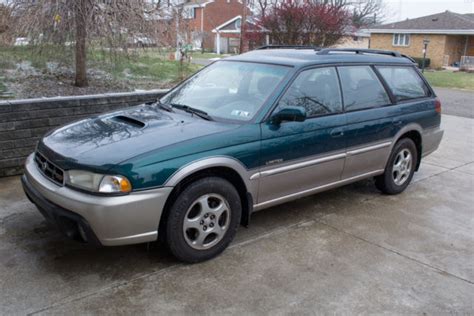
[[419, 61]]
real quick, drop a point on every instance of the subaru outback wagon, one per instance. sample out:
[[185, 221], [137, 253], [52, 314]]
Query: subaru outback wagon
[[243, 134]]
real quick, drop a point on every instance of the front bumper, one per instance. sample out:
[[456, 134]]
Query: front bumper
[[105, 220], [70, 224]]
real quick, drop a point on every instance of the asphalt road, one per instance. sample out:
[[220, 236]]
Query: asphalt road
[[350, 250], [456, 102]]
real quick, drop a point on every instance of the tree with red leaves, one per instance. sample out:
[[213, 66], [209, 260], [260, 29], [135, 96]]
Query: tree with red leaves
[[305, 23]]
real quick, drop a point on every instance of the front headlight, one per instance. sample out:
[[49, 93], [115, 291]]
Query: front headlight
[[96, 182]]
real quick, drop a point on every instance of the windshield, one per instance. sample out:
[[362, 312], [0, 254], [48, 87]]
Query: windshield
[[228, 89]]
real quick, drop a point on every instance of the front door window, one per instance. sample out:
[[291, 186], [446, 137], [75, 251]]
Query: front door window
[[317, 90]]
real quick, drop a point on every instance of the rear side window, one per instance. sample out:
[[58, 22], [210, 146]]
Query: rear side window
[[317, 90], [404, 82], [361, 88]]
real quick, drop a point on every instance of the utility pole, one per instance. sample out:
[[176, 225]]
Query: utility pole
[[242, 27], [425, 47], [178, 42]]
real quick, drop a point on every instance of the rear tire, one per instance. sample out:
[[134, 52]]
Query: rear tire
[[400, 168], [203, 220]]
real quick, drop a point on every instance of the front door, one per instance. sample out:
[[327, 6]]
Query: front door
[[300, 156]]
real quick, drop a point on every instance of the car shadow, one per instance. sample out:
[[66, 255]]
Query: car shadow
[[33, 244]]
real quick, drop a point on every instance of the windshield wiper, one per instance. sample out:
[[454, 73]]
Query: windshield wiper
[[192, 110], [164, 106]]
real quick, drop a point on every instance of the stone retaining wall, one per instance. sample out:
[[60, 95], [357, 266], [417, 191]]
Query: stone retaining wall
[[23, 122]]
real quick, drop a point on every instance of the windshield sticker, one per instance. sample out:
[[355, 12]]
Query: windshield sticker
[[240, 113]]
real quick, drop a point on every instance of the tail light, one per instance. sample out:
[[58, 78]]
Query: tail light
[[438, 105]]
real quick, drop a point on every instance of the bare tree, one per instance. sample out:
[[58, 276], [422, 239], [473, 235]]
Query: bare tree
[[80, 17], [82, 23], [368, 12], [4, 18], [364, 12], [262, 6]]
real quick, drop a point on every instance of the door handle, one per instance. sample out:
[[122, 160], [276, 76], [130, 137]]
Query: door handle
[[337, 133]]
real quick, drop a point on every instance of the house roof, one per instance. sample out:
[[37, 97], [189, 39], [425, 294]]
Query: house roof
[[441, 23], [233, 25], [196, 3]]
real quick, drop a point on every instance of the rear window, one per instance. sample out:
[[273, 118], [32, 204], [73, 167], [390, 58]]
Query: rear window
[[404, 82], [361, 88]]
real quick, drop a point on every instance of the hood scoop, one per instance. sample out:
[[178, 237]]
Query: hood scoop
[[129, 120]]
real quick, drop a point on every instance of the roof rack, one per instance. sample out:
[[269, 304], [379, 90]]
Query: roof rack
[[288, 46], [327, 51]]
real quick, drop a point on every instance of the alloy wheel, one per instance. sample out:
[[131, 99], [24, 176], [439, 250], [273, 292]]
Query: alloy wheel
[[206, 221], [402, 167]]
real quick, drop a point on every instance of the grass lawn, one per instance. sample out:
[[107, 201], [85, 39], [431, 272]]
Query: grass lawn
[[3, 89], [33, 72], [144, 65], [449, 79], [4, 93], [156, 52], [200, 55], [150, 65]]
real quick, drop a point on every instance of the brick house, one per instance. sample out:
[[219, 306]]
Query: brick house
[[450, 35], [357, 38], [227, 35], [203, 16]]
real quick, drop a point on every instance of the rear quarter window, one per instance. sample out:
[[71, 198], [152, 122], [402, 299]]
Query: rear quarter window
[[404, 82]]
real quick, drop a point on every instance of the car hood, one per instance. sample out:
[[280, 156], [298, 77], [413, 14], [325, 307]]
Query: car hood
[[103, 141]]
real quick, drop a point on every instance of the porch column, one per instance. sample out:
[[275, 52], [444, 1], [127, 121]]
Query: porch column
[[218, 43], [466, 44], [267, 39]]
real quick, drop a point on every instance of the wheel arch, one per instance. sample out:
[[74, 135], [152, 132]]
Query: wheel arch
[[223, 167], [413, 132]]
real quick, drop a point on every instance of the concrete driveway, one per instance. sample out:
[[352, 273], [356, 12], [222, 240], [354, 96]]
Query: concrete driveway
[[346, 251]]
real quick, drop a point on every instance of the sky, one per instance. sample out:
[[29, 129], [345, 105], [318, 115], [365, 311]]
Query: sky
[[398, 10], [403, 9]]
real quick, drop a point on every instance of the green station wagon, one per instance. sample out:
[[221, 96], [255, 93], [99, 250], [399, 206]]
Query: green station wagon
[[243, 134]]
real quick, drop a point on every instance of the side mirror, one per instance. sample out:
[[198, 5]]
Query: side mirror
[[289, 114]]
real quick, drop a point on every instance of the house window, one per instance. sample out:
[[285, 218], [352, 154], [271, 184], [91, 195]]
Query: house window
[[189, 13], [401, 39]]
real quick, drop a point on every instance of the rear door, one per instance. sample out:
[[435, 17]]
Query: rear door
[[414, 98], [299, 156], [370, 115]]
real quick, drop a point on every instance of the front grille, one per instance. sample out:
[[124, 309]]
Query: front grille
[[48, 169]]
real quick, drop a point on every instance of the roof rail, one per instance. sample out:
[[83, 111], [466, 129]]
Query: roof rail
[[409, 58], [327, 51], [288, 46]]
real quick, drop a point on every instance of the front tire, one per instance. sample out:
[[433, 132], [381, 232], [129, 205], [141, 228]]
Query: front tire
[[203, 220], [400, 168]]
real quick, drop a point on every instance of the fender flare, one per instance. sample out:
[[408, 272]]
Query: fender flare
[[412, 127], [210, 162]]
